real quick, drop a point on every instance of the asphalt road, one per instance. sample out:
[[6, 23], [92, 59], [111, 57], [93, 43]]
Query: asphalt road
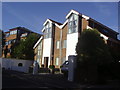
[[14, 79]]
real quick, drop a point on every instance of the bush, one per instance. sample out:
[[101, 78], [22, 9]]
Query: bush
[[51, 66], [52, 69], [30, 69]]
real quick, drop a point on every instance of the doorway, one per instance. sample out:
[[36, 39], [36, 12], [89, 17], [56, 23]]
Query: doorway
[[46, 62]]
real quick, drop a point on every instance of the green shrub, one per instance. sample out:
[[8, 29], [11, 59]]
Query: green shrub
[[51, 66]]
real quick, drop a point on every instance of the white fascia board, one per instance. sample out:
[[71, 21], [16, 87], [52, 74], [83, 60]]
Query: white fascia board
[[105, 37], [38, 42], [88, 27], [48, 20], [86, 17], [61, 26], [72, 11], [64, 23], [43, 29]]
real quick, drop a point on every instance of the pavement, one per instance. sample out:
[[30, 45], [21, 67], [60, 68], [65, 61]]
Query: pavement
[[14, 79]]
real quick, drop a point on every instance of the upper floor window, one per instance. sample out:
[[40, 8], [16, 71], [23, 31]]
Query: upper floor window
[[64, 44], [7, 34], [13, 32], [40, 46], [72, 24], [48, 31], [57, 44], [6, 43]]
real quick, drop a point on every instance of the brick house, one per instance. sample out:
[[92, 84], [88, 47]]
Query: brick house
[[13, 36], [59, 40]]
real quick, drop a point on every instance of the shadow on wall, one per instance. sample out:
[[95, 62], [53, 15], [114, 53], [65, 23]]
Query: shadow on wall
[[16, 64]]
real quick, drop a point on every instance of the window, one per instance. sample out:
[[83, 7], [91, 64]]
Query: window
[[48, 31], [13, 32], [57, 61], [38, 52], [72, 24], [9, 42], [58, 44], [63, 60], [20, 64], [13, 40], [7, 34], [40, 49], [40, 46], [9, 50], [6, 43], [64, 44]]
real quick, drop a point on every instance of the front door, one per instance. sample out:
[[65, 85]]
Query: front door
[[46, 62]]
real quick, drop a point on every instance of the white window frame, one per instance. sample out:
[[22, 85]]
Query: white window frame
[[58, 44], [64, 43], [48, 31], [57, 61], [72, 24]]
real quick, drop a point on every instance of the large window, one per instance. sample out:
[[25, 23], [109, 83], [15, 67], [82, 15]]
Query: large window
[[48, 31], [13, 32], [72, 24], [39, 51], [7, 34], [57, 44], [57, 61], [64, 44]]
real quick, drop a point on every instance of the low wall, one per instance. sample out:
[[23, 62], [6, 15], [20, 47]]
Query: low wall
[[16, 64]]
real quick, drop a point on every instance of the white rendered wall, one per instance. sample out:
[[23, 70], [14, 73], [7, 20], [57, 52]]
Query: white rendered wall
[[47, 49], [72, 40], [12, 64]]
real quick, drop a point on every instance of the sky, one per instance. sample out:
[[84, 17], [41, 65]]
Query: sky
[[32, 15]]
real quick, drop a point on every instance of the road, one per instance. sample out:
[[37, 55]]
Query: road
[[14, 79]]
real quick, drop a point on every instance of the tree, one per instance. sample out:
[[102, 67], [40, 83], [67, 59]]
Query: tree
[[92, 55], [24, 50], [2, 42], [3, 39]]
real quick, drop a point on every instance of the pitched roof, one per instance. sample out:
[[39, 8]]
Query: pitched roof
[[56, 22]]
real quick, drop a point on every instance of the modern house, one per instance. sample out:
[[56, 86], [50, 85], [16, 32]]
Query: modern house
[[13, 36], [59, 40], [38, 51]]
